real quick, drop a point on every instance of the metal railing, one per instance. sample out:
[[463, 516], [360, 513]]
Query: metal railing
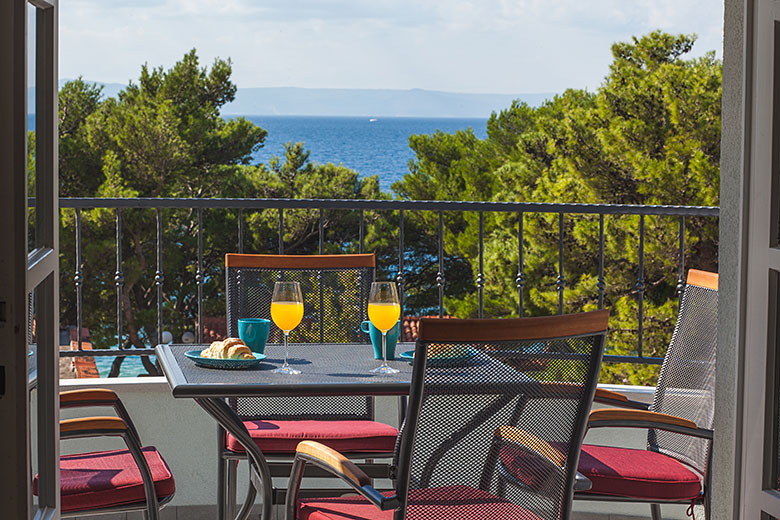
[[401, 206]]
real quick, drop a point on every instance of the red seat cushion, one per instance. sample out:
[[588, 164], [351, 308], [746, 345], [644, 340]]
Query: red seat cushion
[[109, 478], [454, 502], [343, 436], [634, 473]]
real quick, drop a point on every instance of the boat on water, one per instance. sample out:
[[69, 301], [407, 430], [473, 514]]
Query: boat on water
[[373, 120]]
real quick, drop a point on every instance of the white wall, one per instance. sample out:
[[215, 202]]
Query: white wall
[[186, 436]]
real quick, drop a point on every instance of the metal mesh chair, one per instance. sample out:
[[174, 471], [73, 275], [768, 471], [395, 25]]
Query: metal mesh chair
[[135, 479], [335, 290], [675, 466], [482, 439]]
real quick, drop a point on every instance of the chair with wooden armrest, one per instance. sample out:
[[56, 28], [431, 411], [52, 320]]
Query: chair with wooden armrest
[[132, 479], [528, 461], [336, 289], [675, 466], [463, 414]]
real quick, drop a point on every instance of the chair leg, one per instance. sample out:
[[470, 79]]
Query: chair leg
[[655, 511], [221, 484], [231, 488]]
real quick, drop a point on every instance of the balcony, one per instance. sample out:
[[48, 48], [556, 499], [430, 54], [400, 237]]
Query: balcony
[[160, 417]]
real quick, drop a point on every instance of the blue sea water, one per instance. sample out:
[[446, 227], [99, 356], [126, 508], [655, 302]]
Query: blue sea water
[[372, 146], [131, 366]]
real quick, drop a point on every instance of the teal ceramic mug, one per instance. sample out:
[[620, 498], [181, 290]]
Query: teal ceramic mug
[[376, 338], [254, 333]]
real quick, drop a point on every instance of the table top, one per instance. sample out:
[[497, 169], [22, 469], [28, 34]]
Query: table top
[[326, 369]]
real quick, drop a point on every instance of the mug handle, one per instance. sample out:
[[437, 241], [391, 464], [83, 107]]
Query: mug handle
[[364, 326]]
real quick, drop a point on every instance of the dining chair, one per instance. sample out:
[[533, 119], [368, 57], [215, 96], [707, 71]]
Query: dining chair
[[675, 466], [115, 481], [472, 419], [335, 289]]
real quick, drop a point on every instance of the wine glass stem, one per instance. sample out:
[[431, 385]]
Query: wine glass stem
[[286, 333], [384, 349]]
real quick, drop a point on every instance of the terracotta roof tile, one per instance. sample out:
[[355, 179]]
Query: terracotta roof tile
[[411, 324], [214, 329]]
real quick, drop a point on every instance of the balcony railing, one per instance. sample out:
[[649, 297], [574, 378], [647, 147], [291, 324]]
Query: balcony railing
[[402, 207]]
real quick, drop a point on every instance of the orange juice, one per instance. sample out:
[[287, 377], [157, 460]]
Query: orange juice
[[384, 315], [286, 315]]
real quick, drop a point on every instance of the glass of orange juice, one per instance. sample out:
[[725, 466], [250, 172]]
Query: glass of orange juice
[[287, 312], [384, 310]]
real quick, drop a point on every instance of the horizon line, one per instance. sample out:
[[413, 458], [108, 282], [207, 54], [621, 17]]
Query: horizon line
[[373, 89]]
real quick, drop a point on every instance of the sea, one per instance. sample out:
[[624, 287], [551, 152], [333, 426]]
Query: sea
[[369, 145]]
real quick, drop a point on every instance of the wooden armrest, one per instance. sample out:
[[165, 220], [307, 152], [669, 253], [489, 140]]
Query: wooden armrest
[[94, 396], [529, 440], [640, 416], [91, 424], [601, 393], [334, 460]]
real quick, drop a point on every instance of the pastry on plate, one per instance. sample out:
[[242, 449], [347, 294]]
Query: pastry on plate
[[231, 348]]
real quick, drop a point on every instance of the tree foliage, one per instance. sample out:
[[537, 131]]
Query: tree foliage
[[650, 134], [164, 137]]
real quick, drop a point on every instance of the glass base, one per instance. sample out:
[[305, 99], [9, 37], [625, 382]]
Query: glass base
[[384, 368], [286, 370]]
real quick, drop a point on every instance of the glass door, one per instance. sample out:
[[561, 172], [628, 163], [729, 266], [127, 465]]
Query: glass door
[[28, 260], [760, 498]]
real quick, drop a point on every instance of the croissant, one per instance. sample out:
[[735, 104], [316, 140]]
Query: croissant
[[231, 348]]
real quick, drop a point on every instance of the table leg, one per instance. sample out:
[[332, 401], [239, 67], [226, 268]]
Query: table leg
[[228, 419]]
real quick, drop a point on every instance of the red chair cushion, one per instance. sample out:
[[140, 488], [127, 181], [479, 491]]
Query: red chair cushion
[[435, 503], [634, 473], [343, 436], [109, 478]]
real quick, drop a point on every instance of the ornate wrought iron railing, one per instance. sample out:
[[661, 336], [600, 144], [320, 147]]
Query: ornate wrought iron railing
[[361, 206]]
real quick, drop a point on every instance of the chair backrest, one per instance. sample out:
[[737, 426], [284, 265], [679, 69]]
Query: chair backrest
[[686, 385], [335, 291], [478, 409]]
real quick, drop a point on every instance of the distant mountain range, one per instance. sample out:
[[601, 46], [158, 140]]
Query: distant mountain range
[[363, 102], [294, 101]]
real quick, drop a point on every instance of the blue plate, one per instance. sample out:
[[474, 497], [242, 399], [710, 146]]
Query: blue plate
[[442, 360], [226, 364]]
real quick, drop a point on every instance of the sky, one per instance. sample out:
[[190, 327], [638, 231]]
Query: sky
[[474, 46]]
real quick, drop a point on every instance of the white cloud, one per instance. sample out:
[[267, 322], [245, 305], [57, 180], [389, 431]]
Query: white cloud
[[509, 46]]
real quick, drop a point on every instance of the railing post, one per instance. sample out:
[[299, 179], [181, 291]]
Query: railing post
[[400, 276], [158, 277], [320, 317], [600, 284], [241, 230], [78, 278], [520, 280], [681, 268], [321, 232], [561, 281], [440, 275], [481, 275], [281, 231], [362, 223], [640, 284], [199, 275], [119, 278]]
